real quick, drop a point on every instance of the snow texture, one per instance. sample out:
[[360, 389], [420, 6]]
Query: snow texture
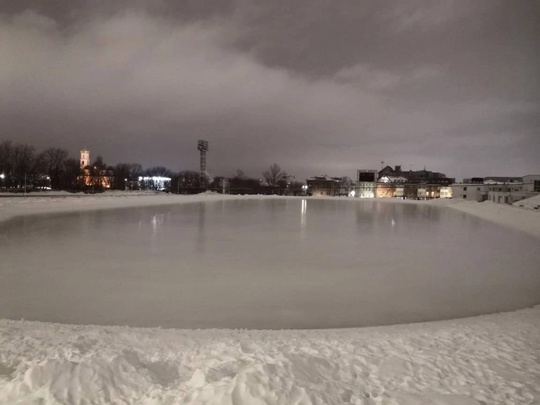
[[490, 359], [532, 203]]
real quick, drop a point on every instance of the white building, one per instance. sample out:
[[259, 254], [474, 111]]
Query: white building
[[158, 183], [531, 183], [366, 181], [365, 189], [85, 158], [446, 192], [470, 191], [509, 193], [506, 193]]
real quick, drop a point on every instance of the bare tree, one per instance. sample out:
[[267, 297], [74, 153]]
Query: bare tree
[[99, 164], [70, 172], [24, 165], [51, 161], [121, 175], [6, 163], [135, 170], [347, 185], [274, 175]]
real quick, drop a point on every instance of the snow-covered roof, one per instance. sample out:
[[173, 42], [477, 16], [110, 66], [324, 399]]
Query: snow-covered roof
[[393, 179]]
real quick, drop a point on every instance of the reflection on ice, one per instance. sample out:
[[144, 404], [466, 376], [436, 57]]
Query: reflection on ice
[[261, 264], [201, 230], [303, 213]]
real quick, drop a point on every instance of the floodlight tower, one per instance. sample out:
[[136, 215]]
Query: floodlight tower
[[202, 147]]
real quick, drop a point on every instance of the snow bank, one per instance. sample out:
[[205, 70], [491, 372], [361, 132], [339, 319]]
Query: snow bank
[[492, 359], [532, 203], [515, 217]]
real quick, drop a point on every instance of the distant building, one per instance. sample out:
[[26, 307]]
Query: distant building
[[500, 190], [445, 192], [506, 193], [366, 181], [474, 180], [502, 180], [85, 158], [429, 191], [419, 184], [393, 179], [428, 177], [470, 191], [93, 176], [390, 186], [514, 189], [158, 183], [531, 183], [324, 186]]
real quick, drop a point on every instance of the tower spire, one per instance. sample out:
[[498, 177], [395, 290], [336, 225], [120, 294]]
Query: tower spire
[[85, 158]]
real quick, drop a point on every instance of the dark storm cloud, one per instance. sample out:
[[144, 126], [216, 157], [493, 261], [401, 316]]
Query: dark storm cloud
[[318, 87]]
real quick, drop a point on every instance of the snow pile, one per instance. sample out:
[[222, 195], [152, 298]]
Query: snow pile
[[515, 217], [532, 203], [485, 360], [491, 359]]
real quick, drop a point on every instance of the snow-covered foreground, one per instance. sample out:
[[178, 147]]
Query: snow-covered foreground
[[485, 360], [492, 359]]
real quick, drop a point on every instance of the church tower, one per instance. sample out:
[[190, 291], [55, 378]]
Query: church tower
[[85, 158]]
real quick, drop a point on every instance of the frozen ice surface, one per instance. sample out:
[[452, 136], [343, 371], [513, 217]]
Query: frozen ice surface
[[491, 359], [265, 264]]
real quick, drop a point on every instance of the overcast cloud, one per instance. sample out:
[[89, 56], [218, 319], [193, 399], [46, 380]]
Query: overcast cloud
[[319, 87]]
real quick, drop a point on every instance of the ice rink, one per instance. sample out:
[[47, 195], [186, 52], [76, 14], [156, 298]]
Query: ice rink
[[264, 264]]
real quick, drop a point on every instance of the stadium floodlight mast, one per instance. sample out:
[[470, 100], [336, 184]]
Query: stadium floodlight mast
[[202, 147]]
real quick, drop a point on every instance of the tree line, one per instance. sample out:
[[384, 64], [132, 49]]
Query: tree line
[[24, 168]]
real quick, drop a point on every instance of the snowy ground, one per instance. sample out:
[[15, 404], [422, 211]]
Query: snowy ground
[[492, 359], [532, 203]]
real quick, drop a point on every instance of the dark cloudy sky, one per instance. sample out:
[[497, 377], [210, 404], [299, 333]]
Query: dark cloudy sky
[[319, 87]]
